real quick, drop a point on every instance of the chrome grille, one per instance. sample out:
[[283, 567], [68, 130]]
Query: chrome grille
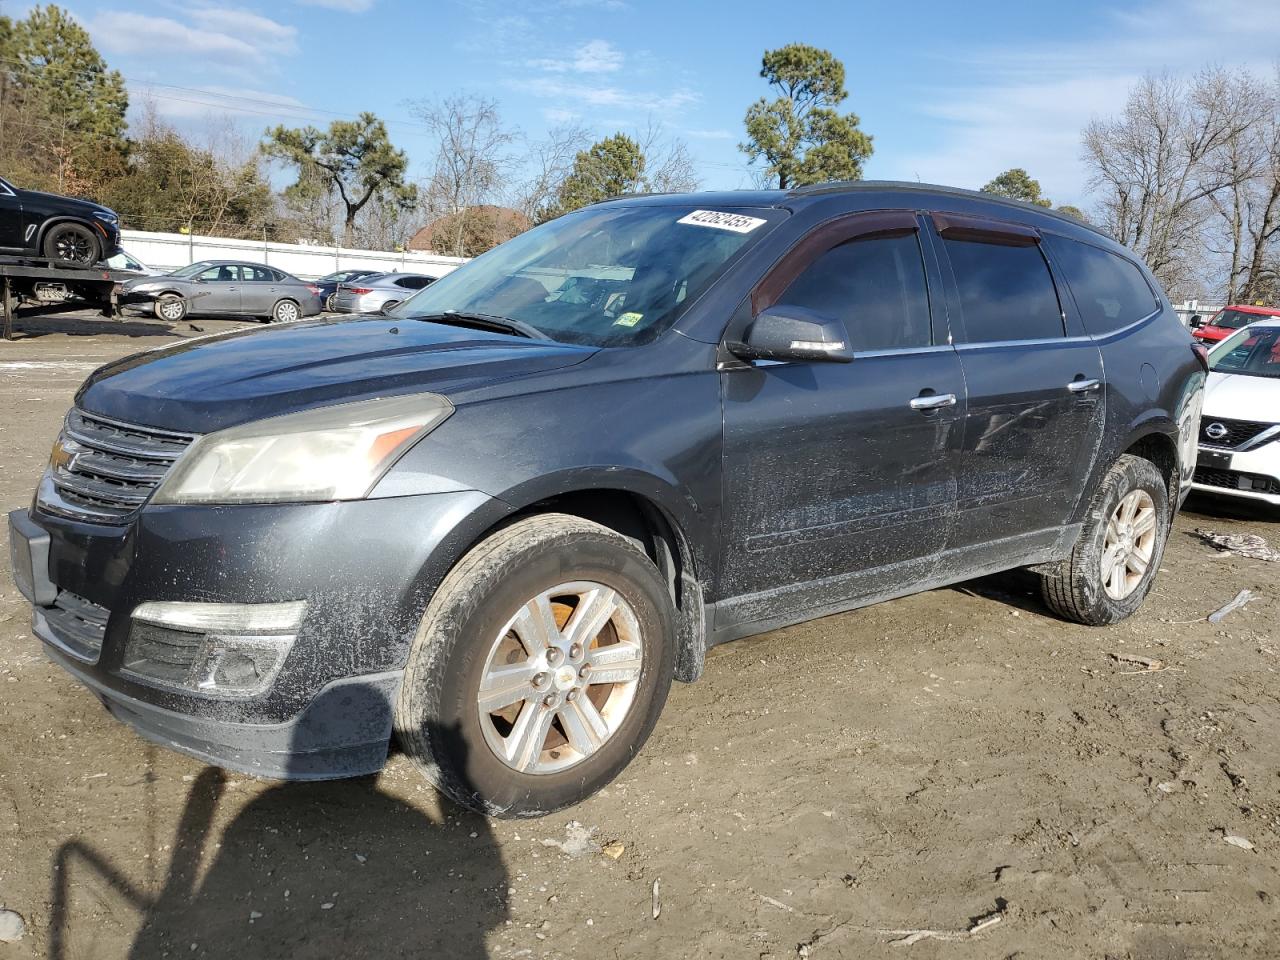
[[102, 471], [1238, 432]]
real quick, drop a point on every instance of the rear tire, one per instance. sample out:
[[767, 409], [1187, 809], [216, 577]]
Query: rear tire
[[72, 243], [328, 303], [170, 308], [1087, 587], [285, 311], [473, 631]]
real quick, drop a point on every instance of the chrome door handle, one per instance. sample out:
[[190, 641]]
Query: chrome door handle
[[933, 402], [1083, 386]]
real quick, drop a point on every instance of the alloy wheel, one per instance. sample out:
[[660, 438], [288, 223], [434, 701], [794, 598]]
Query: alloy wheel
[[71, 246], [560, 678], [1128, 544]]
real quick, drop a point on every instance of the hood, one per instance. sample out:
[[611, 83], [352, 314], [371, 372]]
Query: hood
[[1240, 397], [56, 198], [152, 279], [217, 382]]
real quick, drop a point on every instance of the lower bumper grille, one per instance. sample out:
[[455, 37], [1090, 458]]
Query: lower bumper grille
[[75, 625], [1235, 480]]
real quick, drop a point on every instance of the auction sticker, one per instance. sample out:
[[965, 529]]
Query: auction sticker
[[720, 220]]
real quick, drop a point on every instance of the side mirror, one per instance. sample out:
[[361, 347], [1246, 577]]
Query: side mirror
[[793, 333], [1196, 321]]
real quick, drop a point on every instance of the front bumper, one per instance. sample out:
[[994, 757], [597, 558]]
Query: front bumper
[[1249, 475], [365, 569]]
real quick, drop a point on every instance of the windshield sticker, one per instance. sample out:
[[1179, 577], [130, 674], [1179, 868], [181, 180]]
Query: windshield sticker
[[628, 319], [719, 220]]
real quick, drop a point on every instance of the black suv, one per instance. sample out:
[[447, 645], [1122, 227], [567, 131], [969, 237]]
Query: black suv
[[46, 225], [499, 520]]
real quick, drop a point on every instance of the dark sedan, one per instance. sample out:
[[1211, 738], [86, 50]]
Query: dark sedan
[[213, 287], [329, 283], [35, 224]]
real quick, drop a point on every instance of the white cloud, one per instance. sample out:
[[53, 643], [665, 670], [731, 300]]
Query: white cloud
[[1026, 107], [559, 115], [594, 95], [219, 35], [709, 134], [594, 56], [346, 6], [196, 102]]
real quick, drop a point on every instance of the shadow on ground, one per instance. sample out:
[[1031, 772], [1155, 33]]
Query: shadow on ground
[[305, 870], [30, 327]]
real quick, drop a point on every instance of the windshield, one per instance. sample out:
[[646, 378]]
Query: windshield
[[1235, 319], [608, 275], [1253, 353], [192, 270]]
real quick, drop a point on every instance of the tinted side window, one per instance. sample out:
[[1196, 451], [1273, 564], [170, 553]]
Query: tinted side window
[[875, 285], [1109, 291], [413, 283], [1006, 292]]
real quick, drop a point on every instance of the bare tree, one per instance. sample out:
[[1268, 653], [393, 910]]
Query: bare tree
[[669, 168], [1262, 203], [1156, 168], [472, 164], [549, 161]]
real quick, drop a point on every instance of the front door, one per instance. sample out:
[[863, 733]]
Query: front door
[[218, 290], [840, 479], [1036, 390], [12, 222]]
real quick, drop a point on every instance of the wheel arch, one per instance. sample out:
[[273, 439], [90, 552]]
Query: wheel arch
[[1151, 438], [646, 520], [57, 218]]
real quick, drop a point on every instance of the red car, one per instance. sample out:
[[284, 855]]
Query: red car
[[1230, 319]]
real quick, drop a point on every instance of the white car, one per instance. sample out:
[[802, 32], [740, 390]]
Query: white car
[[377, 293], [1240, 427]]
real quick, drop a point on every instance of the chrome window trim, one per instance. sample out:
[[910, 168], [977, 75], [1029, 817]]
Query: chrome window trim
[[6, 189], [1042, 341]]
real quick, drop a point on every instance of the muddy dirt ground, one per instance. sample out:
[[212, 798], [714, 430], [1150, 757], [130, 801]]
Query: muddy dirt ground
[[824, 791]]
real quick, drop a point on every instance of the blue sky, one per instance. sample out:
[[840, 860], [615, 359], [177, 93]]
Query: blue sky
[[951, 92]]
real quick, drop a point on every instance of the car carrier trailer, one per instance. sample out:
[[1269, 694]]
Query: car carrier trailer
[[51, 282]]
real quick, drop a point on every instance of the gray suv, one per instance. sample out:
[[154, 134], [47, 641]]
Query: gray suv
[[496, 523]]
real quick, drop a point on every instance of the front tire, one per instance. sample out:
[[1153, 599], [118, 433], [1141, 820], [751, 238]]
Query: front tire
[[72, 243], [1114, 561], [539, 669], [170, 308]]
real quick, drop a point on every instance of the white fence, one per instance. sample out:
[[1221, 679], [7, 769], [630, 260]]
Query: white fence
[[1189, 308], [169, 251]]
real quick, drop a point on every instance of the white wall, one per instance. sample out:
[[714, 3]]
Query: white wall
[[169, 251]]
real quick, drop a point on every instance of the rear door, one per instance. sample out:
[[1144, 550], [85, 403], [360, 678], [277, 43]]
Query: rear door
[[1035, 416], [259, 290], [840, 478]]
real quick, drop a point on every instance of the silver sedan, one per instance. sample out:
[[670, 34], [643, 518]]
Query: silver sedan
[[213, 287], [377, 293]]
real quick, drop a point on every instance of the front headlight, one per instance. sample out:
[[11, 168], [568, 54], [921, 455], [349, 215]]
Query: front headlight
[[331, 453], [106, 216]]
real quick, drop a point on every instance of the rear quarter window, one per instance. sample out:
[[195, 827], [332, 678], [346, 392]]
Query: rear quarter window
[[1110, 292]]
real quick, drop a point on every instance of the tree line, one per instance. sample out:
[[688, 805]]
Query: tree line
[[1187, 174]]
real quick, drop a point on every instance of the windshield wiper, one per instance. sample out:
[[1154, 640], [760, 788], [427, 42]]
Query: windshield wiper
[[484, 321]]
